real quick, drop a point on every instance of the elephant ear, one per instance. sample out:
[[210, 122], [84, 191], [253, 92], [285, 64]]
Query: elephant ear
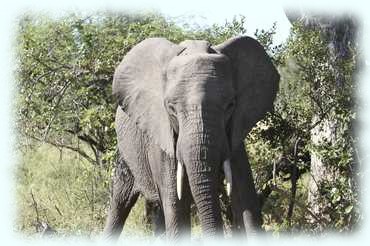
[[255, 81], [138, 85]]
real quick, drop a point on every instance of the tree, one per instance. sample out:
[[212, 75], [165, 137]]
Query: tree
[[65, 71], [310, 133], [338, 34]]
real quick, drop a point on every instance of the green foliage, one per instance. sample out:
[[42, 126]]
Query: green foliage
[[309, 100]]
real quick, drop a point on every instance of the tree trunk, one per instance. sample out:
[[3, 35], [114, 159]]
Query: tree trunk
[[320, 170], [340, 33]]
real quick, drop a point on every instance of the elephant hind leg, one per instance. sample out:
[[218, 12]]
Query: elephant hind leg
[[123, 199], [155, 217]]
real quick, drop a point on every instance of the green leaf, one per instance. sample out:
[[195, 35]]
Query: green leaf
[[348, 209]]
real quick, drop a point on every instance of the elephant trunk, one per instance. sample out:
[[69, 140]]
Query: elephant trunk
[[202, 159], [204, 188]]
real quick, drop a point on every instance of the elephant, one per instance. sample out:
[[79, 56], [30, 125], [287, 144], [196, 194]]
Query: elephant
[[183, 113]]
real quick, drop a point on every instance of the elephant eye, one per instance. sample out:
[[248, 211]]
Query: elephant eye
[[229, 109], [171, 109], [172, 116], [230, 106]]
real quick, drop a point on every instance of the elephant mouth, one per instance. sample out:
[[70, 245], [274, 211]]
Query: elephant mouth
[[180, 176]]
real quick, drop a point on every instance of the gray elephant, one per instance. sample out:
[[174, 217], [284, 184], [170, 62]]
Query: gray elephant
[[184, 111]]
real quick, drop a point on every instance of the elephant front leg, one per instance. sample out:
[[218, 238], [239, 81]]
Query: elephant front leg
[[123, 199], [176, 212], [245, 204]]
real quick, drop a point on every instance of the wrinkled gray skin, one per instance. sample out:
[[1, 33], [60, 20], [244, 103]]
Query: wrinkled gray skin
[[191, 103]]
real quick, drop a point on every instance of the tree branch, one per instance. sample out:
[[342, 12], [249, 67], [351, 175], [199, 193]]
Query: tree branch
[[294, 179], [322, 221], [60, 145], [85, 138], [64, 89], [38, 223]]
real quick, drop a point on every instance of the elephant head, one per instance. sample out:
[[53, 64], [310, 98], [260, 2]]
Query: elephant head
[[197, 102]]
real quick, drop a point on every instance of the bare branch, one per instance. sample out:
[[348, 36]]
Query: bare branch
[[88, 139], [294, 179], [58, 210], [37, 212], [55, 112], [60, 145], [322, 221]]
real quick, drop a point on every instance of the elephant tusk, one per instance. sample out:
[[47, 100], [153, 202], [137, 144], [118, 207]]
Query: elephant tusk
[[228, 176], [179, 177]]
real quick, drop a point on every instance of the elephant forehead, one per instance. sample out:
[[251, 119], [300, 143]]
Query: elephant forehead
[[199, 76], [196, 46], [195, 65]]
